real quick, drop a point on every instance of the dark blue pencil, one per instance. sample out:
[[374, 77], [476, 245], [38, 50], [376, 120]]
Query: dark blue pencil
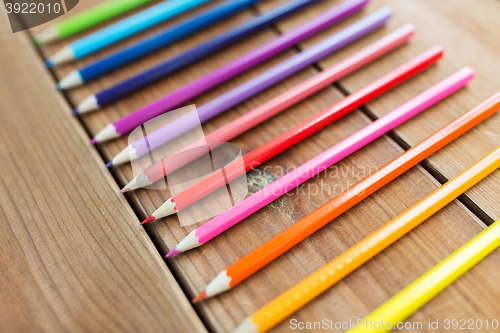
[[96, 101], [154, 42]]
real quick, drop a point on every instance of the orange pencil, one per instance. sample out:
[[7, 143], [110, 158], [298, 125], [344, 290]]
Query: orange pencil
[[308, 289], [291, 236]]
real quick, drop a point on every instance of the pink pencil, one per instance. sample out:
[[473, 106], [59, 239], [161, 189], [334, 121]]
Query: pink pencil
[[324, 160]]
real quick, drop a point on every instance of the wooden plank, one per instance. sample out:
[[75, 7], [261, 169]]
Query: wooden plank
[[73, 256], [368, 286]]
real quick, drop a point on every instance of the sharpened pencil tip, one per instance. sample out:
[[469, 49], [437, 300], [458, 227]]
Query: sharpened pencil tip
[[200, 297], [149, 219], [124, 190], [173, 252], [93, 141], [75, 111], [49, 63], [109, 164]]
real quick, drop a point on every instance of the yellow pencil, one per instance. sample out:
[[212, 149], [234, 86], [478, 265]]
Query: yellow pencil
[[308, 289], [413, 297]]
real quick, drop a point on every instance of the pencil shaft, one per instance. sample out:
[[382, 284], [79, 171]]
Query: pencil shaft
[[305, 291], [294, 234], [306, 128], [164, 37], [95, 15], [131, 25], [277, 104], [257, 84], [422, 290]]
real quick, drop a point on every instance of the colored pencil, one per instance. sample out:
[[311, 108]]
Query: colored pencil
[[223, 73], [305, 227], [87, 19], [309, 288], [253, 86], [269, 109], [123, 29], [154, 42], [422, 290], [296, 134], [324, 160]]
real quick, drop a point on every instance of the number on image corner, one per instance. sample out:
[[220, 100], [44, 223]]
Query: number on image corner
[[31, 8]]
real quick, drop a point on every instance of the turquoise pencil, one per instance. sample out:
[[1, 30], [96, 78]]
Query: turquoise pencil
[[123, 29]]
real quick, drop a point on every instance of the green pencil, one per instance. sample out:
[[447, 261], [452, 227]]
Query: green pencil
[[87, 19]]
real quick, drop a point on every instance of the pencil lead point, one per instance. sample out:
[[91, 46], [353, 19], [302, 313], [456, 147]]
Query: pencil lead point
[[72, 80], [48, 35], [124, 190], [62, 56], [200, 297], [173, 252], [75, 111], [93, 141], [49, 63], [149, 219], [109, 164]]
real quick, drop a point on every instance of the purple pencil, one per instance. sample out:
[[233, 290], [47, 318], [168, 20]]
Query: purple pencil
[[224, 73], [255, 85]]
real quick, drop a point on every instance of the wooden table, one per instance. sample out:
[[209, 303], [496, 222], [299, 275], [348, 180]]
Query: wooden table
[[75, 259]]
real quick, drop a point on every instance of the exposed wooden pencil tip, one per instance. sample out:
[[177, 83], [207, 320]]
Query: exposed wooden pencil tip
[[149, 219], [173, 252], [48, 35], [37, 42], [124, 190], [200, 297]]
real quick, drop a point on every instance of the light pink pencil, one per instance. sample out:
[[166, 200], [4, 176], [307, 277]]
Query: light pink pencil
[[324, 160]]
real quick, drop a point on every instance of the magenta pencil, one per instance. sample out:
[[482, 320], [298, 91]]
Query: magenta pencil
[[324, 160]]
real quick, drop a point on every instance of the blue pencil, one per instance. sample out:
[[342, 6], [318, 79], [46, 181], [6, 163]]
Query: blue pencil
[[109, 95], [154, 42], [123, 29]]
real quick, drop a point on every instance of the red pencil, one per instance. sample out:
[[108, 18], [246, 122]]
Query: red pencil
[[298, 133]]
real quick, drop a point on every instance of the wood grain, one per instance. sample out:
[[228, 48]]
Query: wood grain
[[474, 296], [73, 257]]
